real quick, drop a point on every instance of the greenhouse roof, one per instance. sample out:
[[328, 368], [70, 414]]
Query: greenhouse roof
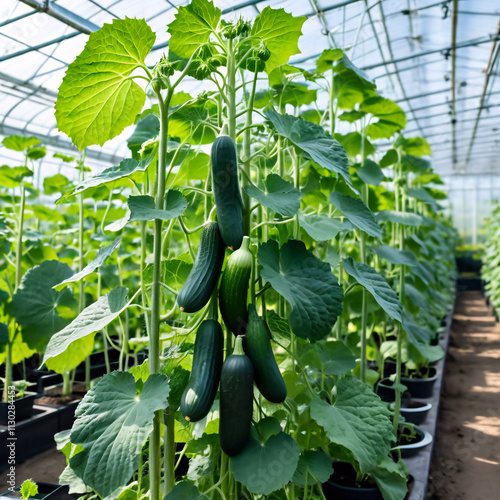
[[439, 63]]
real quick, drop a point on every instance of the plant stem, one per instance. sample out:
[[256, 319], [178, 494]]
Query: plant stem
[[364, 315], [19, 242], [104, 338], [169, 440], [154, 332], [67, 383]]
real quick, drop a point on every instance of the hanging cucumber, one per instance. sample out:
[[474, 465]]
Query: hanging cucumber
[[200, 392], [258, 348], [234, 288], [205, 273], [236, 401], [226, 189]]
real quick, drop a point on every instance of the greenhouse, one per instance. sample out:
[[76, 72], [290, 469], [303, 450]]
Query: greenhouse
[[249, 249]]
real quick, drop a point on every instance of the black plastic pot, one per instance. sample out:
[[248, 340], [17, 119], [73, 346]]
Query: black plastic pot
[[421, 388], [23, 408], [336, 488], [415, 411], [46, 491], [387, 393], [389, 367], [422, 439]]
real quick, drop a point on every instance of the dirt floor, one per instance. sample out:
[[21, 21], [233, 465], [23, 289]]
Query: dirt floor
[[466, 462]]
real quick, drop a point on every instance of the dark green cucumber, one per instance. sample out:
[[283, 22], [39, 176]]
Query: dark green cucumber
[[236, 401], [226, 189], [200, 392], [205, 273], [234, 288], [258, 348]]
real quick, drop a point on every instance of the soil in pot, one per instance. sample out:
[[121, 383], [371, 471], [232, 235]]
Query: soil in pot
[[342, 485], [54, 397], [421, 387], [410, 445], [415, 411]]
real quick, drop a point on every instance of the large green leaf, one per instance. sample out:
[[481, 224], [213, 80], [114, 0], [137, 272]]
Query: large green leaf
[[391, 117], [277, 194], [97, 98], [147, 128], [322, 227], [314, 466], [391, 478], [11, 177], [142, 208], [416, 146], [92, 319], [174, 273], [185, 490], [101, 257], [266, 467], [357, 212], [421, 194], [20, 142], [377, 285], [112, 424], [405, 218], [35, 303], [280, 31], [192, 27], [337, 358], [370, 173], [307, 283], [126, 168], [418, 336], [358, 421], [396, 256], [313, 141]]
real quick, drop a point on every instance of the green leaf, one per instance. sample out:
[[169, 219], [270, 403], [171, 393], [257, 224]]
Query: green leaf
[[391, 117], [337, 358], [416, 146], [185, 490], [277, 194], [143, 207], [11, 177], [147, 128], [351, 116], [97, 99], [174, 273], [327, 58], [418, 336], [36, 153], [391, 479], [421, 194], [313, 141], [101, 257], [416, 165], [370, 173], [314, 466], [396, 256], [79, 350], [280, 31], [266, 467], [359, 422], [56, 184], [92, 319], [126, 168], [307, 283], [280, 328], [188, 121], [357, 212], [351, 142], [192, 27], [113, 421], [377, 285], [405, 218], [28, 489], [322, 227], [390, 158], [35, 303], [64, 158], [19, 142]]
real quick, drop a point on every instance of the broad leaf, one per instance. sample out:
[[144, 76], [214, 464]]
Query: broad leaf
[[307, 283], [377, 285], [390, 158], [337, 358], [314, 466], [19, 142], [92, 319], [35, 303], [174, 273], [126, 168], [277, 194], [322, 227], [56, 184], [391, 478], [390, 114], [280, 31], [357, 212], [101, 257], [405, 218], [418, 336], [396, 256], [143, 207], [97, 99], [185, 490], [313, 141], [421, 194], [370, 173], [148, 128], [358, 421], [113, 421], [266, 467], [416, 146], [11, 177], [327, 58]]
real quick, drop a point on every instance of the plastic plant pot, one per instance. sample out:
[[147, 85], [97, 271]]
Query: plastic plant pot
[[416, 411], [421, 440], [421, 388], [24, 408]]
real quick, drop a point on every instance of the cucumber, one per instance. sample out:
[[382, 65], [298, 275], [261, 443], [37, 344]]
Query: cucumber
[[236, 401], [234, 288], [200, 392], [205, 272], [226, 189], [258, 348]]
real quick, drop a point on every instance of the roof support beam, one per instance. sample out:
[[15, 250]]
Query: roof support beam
[[454, 23]]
